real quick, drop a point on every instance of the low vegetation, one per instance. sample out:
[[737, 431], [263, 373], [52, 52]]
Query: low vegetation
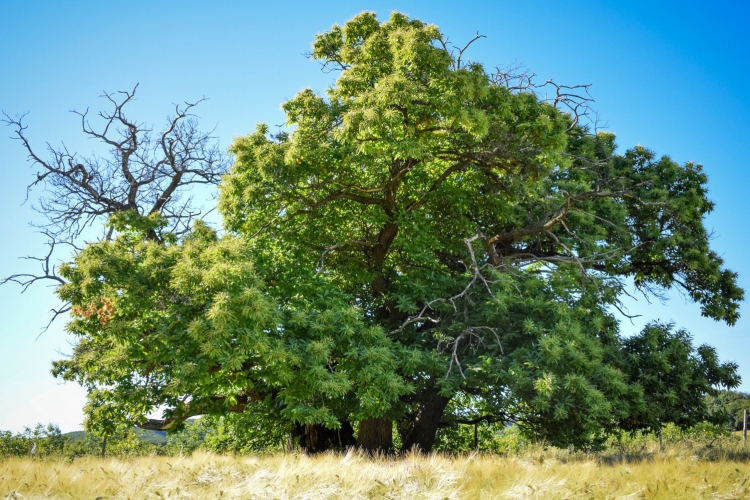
[[687, 468], [706, 461]]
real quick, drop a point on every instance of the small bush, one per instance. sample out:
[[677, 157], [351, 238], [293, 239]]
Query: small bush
[[40, 441]]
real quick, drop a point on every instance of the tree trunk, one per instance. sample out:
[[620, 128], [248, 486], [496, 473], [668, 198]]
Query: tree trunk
[[422, 430], [314, 438], [375, 435], [345, 436], [661, 444]]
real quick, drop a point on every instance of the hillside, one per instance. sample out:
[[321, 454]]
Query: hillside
[[158, 438]]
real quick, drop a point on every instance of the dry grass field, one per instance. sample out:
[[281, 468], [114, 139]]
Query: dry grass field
[[675, 474]]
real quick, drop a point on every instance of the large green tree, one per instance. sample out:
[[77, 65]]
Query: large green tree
[[728, 408], [427, 243], [474, 223], [188, 326], [676, 378]]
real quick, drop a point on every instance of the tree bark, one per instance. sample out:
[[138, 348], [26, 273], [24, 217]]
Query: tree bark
[[422, 430], [314, 438], [375, 435], [661, 444]]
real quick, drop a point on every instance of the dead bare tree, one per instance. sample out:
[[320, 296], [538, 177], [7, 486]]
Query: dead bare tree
[[144, 171], [573, 99]]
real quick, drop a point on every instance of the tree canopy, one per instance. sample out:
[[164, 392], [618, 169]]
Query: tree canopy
[[426, 242], [677, 378]]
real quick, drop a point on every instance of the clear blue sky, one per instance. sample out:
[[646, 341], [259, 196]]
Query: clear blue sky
[[673, 76]]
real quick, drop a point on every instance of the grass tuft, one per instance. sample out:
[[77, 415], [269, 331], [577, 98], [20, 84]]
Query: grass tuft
[[679, 472]]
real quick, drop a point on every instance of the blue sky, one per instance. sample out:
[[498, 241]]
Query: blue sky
[[672, 76]]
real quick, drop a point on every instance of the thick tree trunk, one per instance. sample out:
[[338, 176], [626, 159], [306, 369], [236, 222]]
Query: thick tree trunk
[[661, 444], [314, 438], [421, 431], [375, 435]]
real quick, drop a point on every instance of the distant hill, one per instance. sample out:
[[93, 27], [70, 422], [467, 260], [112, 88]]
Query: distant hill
[[75, 436], [159, 438]]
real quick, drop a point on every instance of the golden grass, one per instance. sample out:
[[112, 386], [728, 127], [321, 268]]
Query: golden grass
[[536, 475]]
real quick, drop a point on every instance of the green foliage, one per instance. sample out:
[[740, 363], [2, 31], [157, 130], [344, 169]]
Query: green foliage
[[128, 442], [702, 436], [728, 406], [479, 225], [491, 438], [257, 429], [13, 445], [158, 322], [420, 233], [41, 441], [190, 438], [675, 378], [46, 440]]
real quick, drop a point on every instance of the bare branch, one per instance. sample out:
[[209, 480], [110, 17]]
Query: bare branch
[[548, 223], [452, 49], [143, 173], [576, 99], [477, 275], [55, 313], [48, 271], [513, 77]]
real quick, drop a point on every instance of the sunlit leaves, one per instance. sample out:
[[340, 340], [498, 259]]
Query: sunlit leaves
[[416, 232]]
